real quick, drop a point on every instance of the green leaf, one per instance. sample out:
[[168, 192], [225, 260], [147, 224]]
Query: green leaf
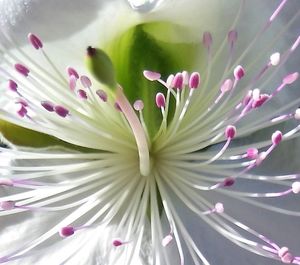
[[21, 136]]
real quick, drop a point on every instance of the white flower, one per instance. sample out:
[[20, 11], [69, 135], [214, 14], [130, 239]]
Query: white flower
[[163, 160]]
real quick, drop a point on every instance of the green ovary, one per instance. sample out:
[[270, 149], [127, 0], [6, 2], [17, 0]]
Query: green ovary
[[158, 47]]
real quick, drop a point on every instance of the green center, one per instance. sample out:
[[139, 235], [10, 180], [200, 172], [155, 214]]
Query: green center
[[158, 47]]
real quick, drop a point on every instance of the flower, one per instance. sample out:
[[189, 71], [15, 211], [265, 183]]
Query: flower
[[117, 158]]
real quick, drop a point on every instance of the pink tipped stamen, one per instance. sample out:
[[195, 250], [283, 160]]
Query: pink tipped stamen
[[7, 205], [160, 100], [151, 76], [178, 81], [117, 242], [227, 182], [169, 81], [12, 85], [22, 112], [296, 187], [167, 240], [219, 208], [186, 78], [85, 81], [285, 255], [232, 38], [102, 95], [260, 101], [290, 79], [35, 41], [6, 182], [18, 183], [72, 82], [207, 40], [10, 205], [48, 106], [276, 137], [23, 70], [138, 105], [61, 111], [238, 73], [252, 153], [194, 81], [297, 114], [230, 132], [82, 94], [225, 87], [67, 231], [72, 72], [22, 102], [275, 59]]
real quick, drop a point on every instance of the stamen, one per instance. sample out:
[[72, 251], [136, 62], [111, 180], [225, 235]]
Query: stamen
[[85, 81], [252, 153], [72, 72], [194, 81], [22, 101], [238, 72], [160, 100], [151, 76], [22, 112], [275, 59], [167, 240], [219, 208], [207, 40], [61, 111], [82, 94], [67, 231], [72, 82], [35, 41], [285, 255], [297, 114], [186, 78], [228, 182], [138, 105], [12, 85], [169, 81], [230, 132], [296, 187], [225, 87], [117, 242], [6, 182], [276, 137], [232, 38], [102, 95], [7, 205], [178, 81], [290, 79], [48, 105], [23, 70]]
